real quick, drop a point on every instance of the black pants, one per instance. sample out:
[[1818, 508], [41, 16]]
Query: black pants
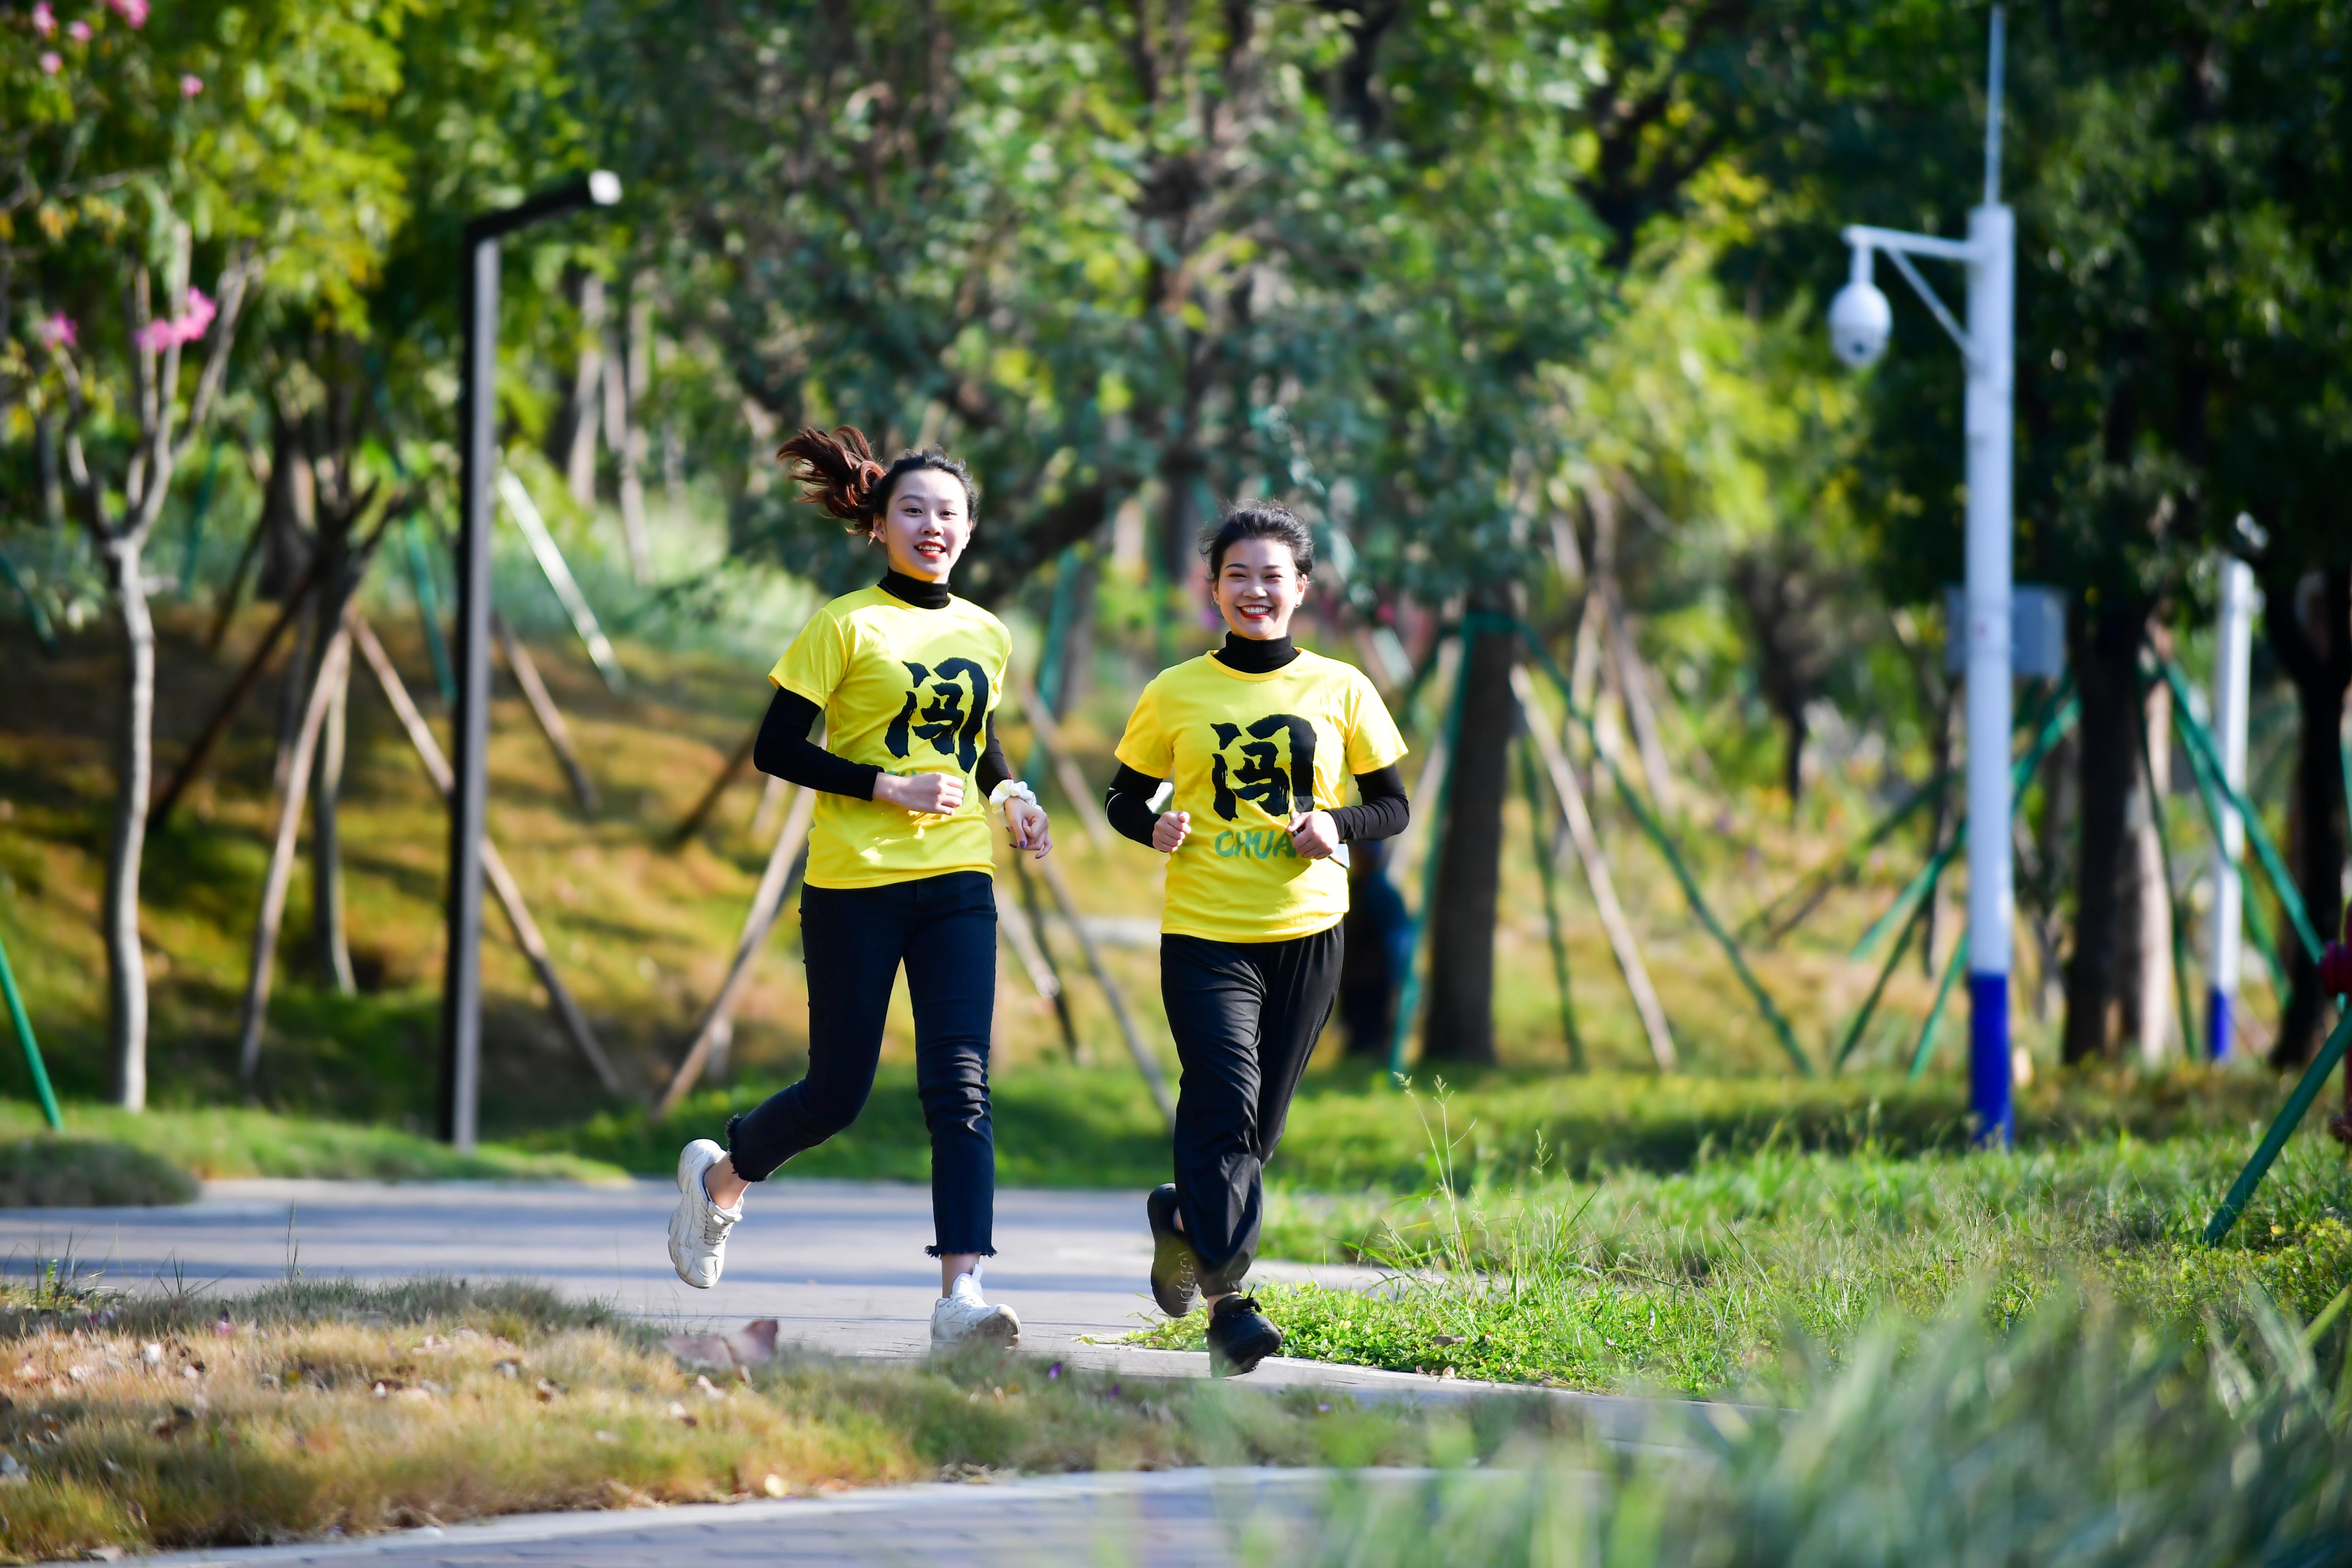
[[1245, 1015], [854, 939]]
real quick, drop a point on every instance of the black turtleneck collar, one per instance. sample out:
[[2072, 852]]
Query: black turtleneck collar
[[1252, 657], [914, 591]]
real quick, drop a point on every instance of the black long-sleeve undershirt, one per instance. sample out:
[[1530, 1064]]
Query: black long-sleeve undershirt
[[1382, 815], [785, 750]]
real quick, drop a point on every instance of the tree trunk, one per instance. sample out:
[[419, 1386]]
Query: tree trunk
[[1461, 1020], [621, 379], [575, 426], [2145, 988], [2106, 657], [126, 962], [2309, 623], [329, 943]]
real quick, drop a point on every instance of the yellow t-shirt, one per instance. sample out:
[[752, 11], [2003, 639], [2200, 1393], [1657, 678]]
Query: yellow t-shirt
[[1246, 751], [908, 691]]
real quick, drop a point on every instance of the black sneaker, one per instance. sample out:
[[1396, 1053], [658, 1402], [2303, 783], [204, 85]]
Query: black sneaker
[[1240, 1336], [1175, 1270]]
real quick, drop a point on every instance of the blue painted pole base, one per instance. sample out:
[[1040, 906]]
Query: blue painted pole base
[[2218, 1004], [1989, 1081]]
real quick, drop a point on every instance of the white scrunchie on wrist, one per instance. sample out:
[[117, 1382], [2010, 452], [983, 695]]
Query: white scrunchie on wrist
[[1007, 790]]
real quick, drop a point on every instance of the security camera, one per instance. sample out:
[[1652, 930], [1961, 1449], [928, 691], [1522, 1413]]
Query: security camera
[[1860, 319]]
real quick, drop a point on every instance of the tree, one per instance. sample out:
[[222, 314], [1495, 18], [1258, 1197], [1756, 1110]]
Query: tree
[[2281, 445], [271, 183]]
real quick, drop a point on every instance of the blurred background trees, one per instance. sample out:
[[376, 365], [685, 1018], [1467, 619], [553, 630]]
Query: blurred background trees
[[1519, 303]]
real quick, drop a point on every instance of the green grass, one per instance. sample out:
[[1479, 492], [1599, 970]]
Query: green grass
[[230, 1142], [1701, 1281], [1064, 1126], [2076, 1440], [50, 1172]]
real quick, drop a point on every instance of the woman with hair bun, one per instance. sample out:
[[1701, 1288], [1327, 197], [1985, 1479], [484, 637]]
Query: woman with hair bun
[[900, 860], [1258, 738]]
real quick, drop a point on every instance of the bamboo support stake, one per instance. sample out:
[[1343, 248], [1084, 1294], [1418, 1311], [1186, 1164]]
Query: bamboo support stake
[[1145, 1062], [281, 858], [1034, 917], [501, 881], [225, 711], [551, 565], [764, 818], [766, 903], [544, 709], [1024, 942], [691, 823], [1613, 923], [1074, 782]]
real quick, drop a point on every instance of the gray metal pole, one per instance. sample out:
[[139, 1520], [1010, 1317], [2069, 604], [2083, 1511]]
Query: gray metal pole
[[461, 991]]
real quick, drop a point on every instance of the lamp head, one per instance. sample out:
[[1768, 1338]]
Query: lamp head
[[1859, 321], [603, 188]]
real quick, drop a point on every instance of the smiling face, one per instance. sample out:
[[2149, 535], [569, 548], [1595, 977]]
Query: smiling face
[[926, 524], [1258, 588]]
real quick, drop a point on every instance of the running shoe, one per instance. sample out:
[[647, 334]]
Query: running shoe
[[1175, 1269], [1240, 1336], [698, 1228], [961, 1318]]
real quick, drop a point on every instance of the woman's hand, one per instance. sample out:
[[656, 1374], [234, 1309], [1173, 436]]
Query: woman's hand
[[1170, 830], [1028, 827], [1314, 835], [934, 795]]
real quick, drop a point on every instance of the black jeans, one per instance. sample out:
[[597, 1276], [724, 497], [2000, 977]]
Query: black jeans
[[854, 939], [1245, 1015]]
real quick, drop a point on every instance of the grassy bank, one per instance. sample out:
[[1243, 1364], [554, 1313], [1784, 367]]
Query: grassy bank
[[227, 1143], [2076, 1439], [1064, 1126], [2075, 1436], [146, 1423], [1702, 1281]]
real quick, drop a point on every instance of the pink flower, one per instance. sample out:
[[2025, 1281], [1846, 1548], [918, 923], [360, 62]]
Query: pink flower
[[191, 85], [157, 336], [78, 31], [50, 62], [45, 21], [132, 11], [57, 332]]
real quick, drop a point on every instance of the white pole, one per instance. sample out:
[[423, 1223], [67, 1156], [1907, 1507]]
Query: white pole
[[1991, 374], [2231, 659]]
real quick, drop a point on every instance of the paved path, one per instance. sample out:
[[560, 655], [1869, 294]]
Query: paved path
[[839, 1264], [1175, 1519]]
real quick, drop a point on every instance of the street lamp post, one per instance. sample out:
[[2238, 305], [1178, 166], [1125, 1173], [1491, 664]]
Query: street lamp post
[[461, 984], [1860, 321]]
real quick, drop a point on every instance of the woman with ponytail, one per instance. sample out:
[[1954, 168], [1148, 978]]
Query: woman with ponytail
[[900, 865], [1258, 740]]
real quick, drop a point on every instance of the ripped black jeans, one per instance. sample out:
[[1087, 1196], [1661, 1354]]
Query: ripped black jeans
[[943, 929]]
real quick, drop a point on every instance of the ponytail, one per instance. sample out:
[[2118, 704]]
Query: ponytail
[[839, 472]]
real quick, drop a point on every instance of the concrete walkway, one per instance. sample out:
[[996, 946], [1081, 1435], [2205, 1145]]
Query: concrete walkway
[[1170, 1519], [839, 1265]]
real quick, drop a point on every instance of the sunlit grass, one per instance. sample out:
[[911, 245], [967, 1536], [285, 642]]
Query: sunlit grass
[[149, 1422], [1701, 1281]]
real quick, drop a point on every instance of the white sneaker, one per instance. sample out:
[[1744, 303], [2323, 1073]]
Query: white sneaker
[[698, 1228], [963, 1319]]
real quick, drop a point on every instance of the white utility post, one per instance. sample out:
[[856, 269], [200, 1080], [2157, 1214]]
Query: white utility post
[[1860, 321], [2232, 655]]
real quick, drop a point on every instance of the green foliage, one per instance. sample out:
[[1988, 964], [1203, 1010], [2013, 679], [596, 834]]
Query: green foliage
[[1700, 1280], [54, 1171], [156, 1146], [2076, 1439]]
